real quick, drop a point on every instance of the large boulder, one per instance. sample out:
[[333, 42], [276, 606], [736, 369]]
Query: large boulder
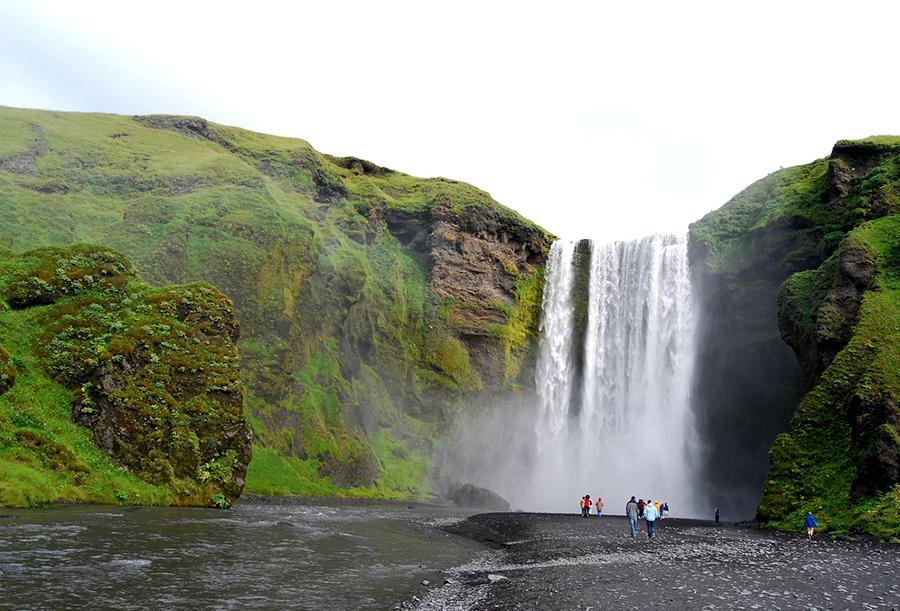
[[472, 497], [154, 373]]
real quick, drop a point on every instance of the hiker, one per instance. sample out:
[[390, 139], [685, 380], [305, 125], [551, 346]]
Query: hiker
[[811, 526], [664, 510], [717, 515], [585, 505], [641, 505], [599, 507], [650, 514], [581, 506], [631, 510]]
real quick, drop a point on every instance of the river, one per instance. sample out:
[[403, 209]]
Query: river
[[255, 555]]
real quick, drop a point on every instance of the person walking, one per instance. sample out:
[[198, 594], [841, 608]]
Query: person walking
[[631, 511], [650, 515], [811, 526], [717, 515], [599, 507], [641, 505], [587, 505]]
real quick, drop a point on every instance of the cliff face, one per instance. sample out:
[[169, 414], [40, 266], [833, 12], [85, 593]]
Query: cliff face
[[151, 374], [803, 258], [373, 305]]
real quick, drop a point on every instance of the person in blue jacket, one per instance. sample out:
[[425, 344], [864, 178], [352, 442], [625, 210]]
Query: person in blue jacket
[[810, 525]]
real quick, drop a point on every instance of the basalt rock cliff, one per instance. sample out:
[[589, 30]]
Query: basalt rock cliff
[[801, 305], [374, 306]]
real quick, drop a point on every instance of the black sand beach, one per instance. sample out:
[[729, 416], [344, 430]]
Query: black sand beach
[[556, 561]]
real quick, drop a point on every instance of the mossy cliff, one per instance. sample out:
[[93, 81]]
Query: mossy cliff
[[808, 257], [373, 305], [113, 391]]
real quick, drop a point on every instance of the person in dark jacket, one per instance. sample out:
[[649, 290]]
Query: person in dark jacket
[[631, 511], [811, 526], [641, 505]]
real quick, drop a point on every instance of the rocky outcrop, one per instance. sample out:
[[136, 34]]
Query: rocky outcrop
[[192, 127], [154, 372], [800, 259], [469, 496], [475, 258], [817, 321], [25, 162]]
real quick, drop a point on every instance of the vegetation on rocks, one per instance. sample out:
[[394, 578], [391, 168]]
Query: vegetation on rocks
[[827, 233], [374, 305], [115, 391], [841, 456]]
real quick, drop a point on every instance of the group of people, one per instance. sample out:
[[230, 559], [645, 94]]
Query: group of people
[[586, 506], [650, 511]]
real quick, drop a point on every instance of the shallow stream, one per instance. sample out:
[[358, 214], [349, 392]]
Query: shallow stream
[[273, 556]]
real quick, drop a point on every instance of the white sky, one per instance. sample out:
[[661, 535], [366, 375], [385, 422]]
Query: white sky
[[594, 119]]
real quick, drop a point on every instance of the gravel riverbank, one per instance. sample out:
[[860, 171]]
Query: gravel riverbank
[[557, 561]]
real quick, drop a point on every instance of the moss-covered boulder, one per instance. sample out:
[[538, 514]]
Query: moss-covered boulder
[[153, 374]]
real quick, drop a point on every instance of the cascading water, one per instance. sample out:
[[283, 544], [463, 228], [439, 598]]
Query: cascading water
[[614, 377]]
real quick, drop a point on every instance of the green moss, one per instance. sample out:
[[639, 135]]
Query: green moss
[[521, 325], [404, 472], [273, 474], [798, 295], [92, 334], [450, 358], [792, 196], [816, 466]]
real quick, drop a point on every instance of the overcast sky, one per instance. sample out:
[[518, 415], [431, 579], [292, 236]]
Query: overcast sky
[[594, 119]]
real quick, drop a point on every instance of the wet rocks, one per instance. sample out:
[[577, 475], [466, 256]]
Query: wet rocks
[[470, 496]]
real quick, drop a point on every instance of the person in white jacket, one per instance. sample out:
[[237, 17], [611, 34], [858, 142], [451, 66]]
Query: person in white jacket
[[650, 514]]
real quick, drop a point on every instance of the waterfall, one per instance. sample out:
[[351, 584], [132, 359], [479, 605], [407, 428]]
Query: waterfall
[[614, 377], [554, 370]]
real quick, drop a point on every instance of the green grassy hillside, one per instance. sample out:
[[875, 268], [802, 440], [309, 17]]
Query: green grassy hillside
[[373, 305], [113, 391], [829, 234]]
